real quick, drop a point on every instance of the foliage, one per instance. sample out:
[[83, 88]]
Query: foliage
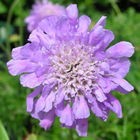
[[125, 23], [3, 134]]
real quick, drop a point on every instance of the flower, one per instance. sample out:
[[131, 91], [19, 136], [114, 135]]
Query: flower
[[72, 70], [40, 10]]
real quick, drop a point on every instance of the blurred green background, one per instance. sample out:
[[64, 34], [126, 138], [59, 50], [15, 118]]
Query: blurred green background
[[16, 124]]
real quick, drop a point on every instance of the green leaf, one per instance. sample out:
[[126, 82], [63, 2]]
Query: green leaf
[[32, 137], [3, 8], [3, 133]]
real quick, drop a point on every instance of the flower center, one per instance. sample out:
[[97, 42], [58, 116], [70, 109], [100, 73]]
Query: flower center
[[74, 70]]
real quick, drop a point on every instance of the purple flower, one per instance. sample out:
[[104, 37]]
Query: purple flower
[[72, 70], [40, 10]]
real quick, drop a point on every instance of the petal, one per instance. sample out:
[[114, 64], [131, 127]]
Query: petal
[[121, 67], [72, 11], [47, 89], [105, 84], [49, 102], [28, 50], [67, 116], [16, 53], [89, 97], [104, 66], [80, 108], [96, 35], [59, 109], [59, 96], [99, 110], [43, 32], [30, 98], [81, 127], [40, 104], [39, 36], [121, 90], [123, 83], [33, 113], [100, 95], [17, 67], [121, 49], [101, 22], [41, 70], [114, 105], [22, 52], [47, 120], [84, 22], [100, 55], [52, 22], [108, 38], [31, 80], [100, 38]]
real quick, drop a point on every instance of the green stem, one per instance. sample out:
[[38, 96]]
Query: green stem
[[21, 34], [4, 49], [75, 1], [21, 27], [115, 7], [9, 17], [71, 134]]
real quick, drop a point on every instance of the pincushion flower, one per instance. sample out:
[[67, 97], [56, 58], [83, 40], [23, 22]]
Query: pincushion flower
[[40, 10], [72, 70]]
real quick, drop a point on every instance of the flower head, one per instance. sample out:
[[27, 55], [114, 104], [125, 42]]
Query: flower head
[[72, 70], [42, 9]]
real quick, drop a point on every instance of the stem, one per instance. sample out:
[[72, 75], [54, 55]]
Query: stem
[[115, 7], [71, 134], [3, 48], [75, 1], [21, 34], [9, 17], [21, 29]]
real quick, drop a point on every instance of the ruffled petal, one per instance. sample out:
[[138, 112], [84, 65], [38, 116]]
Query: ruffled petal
[[16, 53], [67, 116], [96, 35], [100, 38], [59, 96], [123, 83], [30, 98], [108, 38], [31, 80], [17, 67], [28, 50], [47, 120], [114, 105], [121, 49], [23, 52], [100, 95], [101, 22], [40, 104], [89, 97], [120, 67], [81, 127], [80, 108], [121, 90], [49, 102], [72, 11], [84, 22], [59, 109], [99, 110], [105, 84]]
